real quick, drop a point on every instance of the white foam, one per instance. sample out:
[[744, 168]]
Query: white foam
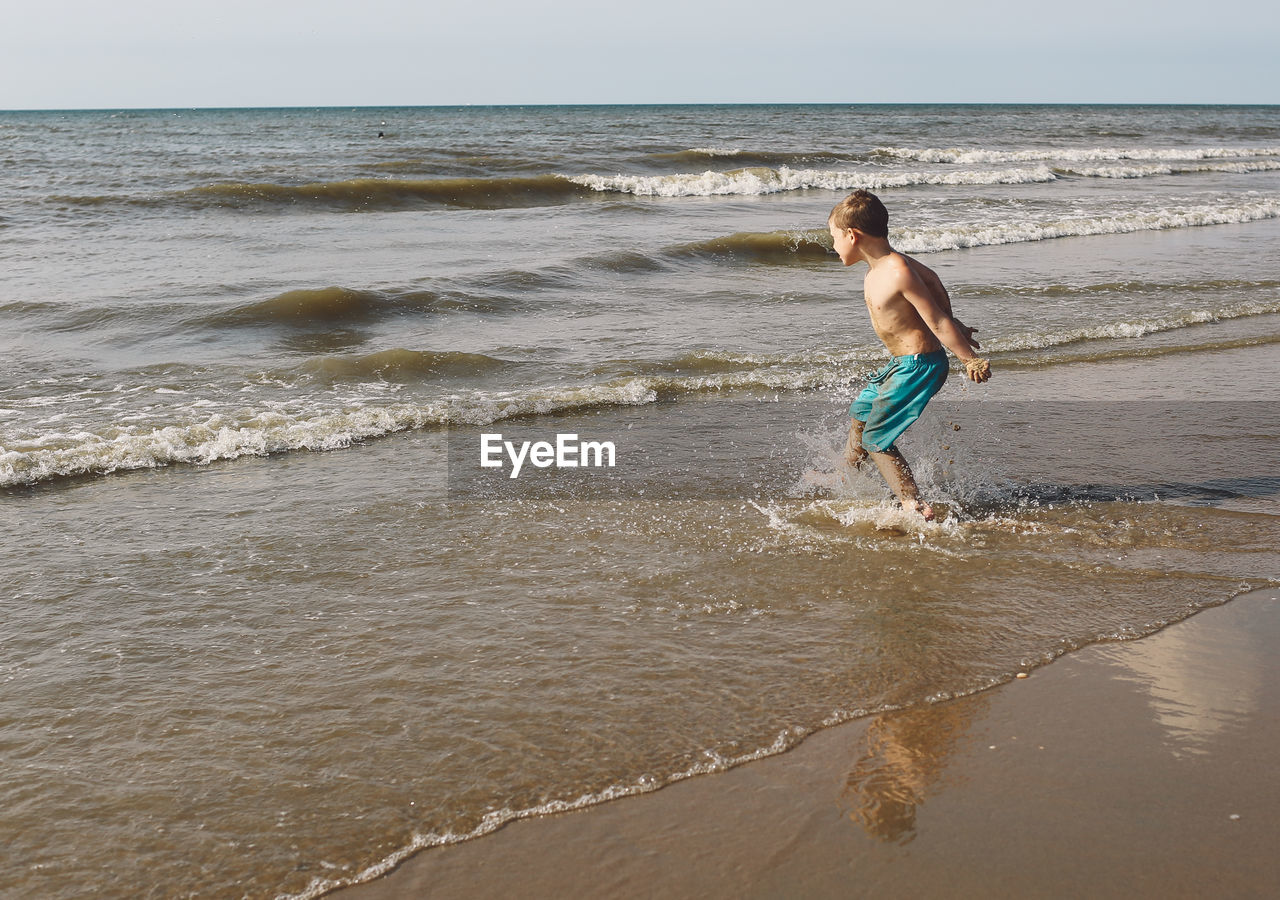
[[926, 240], [1148, 171], [970, 156], [852, 512], [221, 437], [715, 151], [52, 452], [492, 821], [1131, 329], [761, 180]]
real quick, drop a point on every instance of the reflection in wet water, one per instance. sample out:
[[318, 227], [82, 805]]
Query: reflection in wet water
[[1206, 683], [901, 764], [1201, 682]]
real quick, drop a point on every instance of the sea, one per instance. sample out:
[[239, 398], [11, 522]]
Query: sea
[[278, 609]]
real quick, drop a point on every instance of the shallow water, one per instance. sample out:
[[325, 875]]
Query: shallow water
[[275, 670]]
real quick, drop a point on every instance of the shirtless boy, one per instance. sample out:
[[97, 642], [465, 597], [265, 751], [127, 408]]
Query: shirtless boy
[[911, 313]]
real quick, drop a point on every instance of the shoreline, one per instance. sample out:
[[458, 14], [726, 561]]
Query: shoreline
[[1132, 766]]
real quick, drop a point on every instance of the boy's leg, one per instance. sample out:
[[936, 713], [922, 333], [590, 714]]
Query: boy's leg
[[854, 452], [897, 474], [899, 402]]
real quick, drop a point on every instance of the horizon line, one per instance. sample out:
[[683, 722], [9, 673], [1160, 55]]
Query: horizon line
[[635, 104]]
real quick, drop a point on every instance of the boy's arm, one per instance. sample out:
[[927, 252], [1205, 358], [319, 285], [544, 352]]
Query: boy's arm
[[943, 299], [942, 324]]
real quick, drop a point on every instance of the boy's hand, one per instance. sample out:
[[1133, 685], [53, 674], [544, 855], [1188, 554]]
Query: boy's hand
[[969, 335], [978, 370]]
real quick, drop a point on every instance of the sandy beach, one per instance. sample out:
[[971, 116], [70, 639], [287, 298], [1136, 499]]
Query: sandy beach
[[1139, 768]]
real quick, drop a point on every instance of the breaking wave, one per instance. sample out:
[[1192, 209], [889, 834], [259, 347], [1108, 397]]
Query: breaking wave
[[1155, 169], [762, 180], [225, 436], [971, 156], [924, 240], [310, 425], [797, 246], [764, 172]]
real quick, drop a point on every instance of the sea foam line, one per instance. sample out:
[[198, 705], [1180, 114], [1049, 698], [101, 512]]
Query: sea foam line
[[217, 437], [762, 180], [1130, 329], [815, 244], [927, 240], [1090, 154], [221, 437], [713, 762], [1156, 169]]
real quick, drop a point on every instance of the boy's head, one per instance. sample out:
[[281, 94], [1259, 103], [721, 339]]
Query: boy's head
[[861, 210]]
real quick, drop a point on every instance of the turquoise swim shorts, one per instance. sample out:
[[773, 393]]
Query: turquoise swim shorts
[[897, 396]]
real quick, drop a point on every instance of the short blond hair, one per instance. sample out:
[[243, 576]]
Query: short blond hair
[[861, 210]]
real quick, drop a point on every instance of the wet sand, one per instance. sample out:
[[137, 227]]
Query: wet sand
[[1138, 768]]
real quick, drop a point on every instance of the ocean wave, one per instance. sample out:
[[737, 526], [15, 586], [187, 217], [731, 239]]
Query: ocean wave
[[330, 305], [771, 175], [762, 180], [40, 457], [393, 193], [1128, 287], [1093, 347], [767, 247], [927, 240], [715, 371], [1131, 328], [971, 156], [1152, 170], [804, 246], [207, 437], [712, 371], [224, 437]]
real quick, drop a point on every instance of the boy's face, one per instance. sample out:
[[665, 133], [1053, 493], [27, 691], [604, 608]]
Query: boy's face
[[842, 241]]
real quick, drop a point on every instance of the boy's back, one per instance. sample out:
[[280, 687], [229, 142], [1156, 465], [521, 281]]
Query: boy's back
[[893, 316]]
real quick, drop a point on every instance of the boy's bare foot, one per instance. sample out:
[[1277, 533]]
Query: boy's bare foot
[[921, 507]]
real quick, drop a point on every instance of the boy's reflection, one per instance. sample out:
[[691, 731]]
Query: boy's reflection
[[901, 764]]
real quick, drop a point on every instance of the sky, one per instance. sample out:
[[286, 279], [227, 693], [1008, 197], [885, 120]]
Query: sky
[[90, 54]]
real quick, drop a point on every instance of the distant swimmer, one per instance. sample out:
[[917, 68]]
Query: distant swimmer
[[910, 312]]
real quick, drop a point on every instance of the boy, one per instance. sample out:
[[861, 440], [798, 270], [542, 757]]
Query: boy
[[911, 313]]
